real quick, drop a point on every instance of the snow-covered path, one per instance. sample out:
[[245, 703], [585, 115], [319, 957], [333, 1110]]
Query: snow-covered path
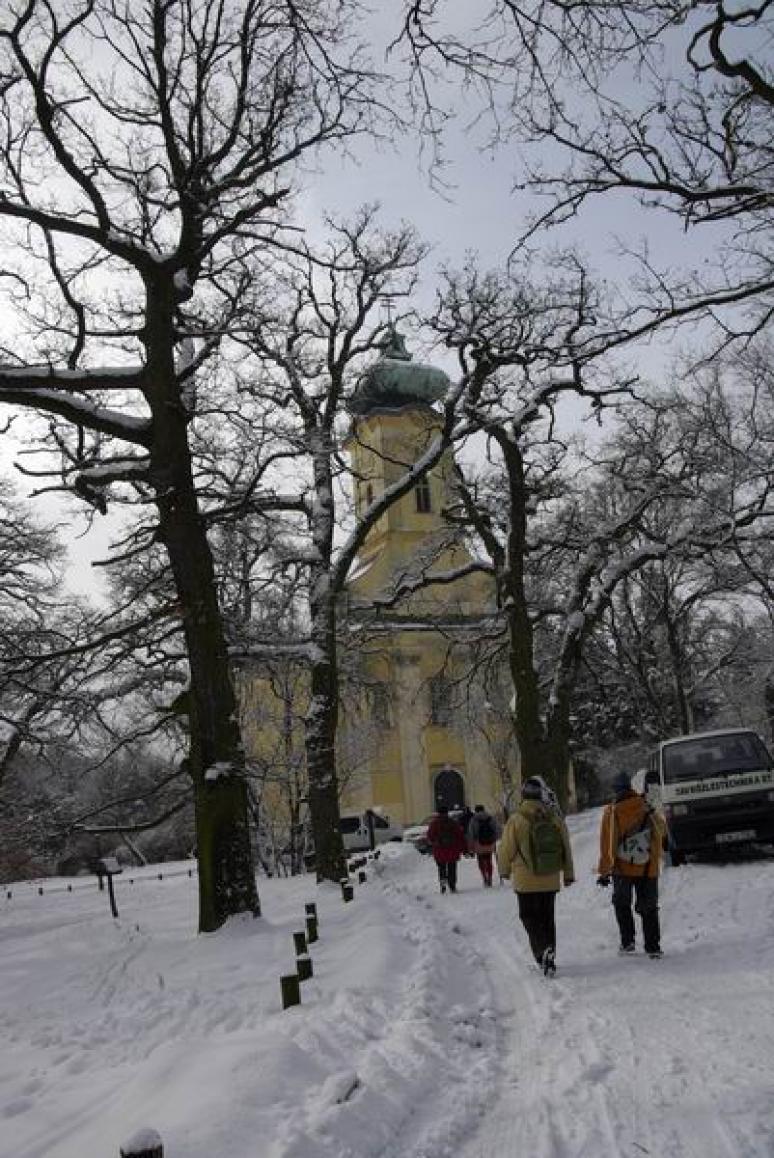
[[629, 1057], [425, 1032]]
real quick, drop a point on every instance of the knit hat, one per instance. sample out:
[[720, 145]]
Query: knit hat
[[532, 789], [622, 782]]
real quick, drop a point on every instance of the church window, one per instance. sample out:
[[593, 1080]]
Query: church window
[[369, 494], [380, 705], [440, 700], [422, 491]]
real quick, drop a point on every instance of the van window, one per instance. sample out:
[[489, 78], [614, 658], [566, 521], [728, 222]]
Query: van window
[[349, 824], [707, 756]]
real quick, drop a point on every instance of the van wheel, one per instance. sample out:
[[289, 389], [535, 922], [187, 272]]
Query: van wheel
[[677, 858]]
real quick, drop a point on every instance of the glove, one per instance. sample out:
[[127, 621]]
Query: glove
[[603, 882]]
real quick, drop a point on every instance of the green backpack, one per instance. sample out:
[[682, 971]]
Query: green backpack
[[545, 844]]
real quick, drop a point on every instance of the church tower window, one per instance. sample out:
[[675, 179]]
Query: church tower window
[[440, 700], [422, 492]]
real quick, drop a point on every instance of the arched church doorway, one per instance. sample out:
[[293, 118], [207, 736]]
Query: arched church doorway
[[449, 789]]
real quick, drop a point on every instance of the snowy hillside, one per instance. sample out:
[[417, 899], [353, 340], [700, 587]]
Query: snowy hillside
[[424, 1033]]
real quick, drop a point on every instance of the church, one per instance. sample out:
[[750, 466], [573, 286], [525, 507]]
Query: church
[[425, 694]]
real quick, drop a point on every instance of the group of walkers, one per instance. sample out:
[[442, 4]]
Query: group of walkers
[[474, 834], [534, 853]]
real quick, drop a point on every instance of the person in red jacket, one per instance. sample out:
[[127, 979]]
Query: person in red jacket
[[447, 840]]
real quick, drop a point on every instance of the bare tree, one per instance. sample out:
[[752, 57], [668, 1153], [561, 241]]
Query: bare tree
[[50, 699], [686, 475], [313, 344], [147, 157], [669, 103]]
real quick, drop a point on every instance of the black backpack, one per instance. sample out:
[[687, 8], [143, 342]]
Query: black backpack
[[486, 830]]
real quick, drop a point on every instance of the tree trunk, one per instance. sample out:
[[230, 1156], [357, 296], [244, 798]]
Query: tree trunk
[[323, 715], [321, 724], [226, 872]]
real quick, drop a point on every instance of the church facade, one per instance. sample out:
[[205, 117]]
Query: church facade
[[425, 716]]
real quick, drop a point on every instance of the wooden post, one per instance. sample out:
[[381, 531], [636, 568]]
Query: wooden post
[[144, 1144], [299, 943], [362, 877], [310, 908], [347, 892], [112, 895], [304, 967], [291, 990], [311, 929]]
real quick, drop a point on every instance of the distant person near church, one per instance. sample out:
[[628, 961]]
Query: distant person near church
[[482, 837], [630, 846], [464, 818], [534, 851], [448, 843]]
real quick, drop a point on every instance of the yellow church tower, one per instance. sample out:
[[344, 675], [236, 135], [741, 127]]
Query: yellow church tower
[[436, 716]]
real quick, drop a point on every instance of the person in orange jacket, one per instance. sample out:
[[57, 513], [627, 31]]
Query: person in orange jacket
[[630, 846]]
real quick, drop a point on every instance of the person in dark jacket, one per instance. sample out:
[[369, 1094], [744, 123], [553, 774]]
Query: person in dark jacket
[[447, 842], [463, 820], [482, 836], [634, 873]]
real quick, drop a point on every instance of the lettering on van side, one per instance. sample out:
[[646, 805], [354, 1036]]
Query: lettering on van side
[[727, 784]]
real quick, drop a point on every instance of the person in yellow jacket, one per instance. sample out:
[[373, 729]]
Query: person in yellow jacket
[[534, 851], [630, 847]]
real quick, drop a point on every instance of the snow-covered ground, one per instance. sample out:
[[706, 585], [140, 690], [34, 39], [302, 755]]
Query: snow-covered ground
[[424, 1033]]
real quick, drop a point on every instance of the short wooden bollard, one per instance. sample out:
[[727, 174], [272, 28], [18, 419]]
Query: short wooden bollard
[[144, 1144], [347, 892], [299, 943], [311, 929], [362, 877], [291, 990], [310, 908], [304, 967]]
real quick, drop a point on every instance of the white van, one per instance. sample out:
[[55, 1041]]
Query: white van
[[356, 827], [716, 790]]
